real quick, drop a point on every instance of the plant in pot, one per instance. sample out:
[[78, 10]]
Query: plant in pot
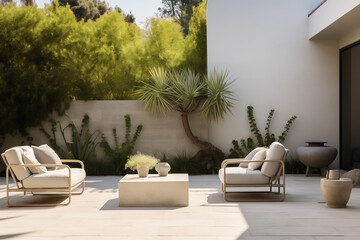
[[142, 163]]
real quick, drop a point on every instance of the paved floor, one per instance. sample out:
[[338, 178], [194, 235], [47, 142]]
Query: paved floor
[[95, 215]]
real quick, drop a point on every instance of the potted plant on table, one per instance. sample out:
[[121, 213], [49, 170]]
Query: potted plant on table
[[142, 163]]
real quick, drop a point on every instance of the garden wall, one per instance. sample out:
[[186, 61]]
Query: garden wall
[[160, 134]]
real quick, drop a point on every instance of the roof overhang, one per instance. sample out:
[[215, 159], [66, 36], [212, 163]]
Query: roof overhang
[[334, 20]]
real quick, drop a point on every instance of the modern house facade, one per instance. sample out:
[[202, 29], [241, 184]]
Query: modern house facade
[[300, 58]]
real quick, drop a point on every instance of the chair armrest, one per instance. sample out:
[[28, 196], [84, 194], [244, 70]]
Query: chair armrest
[[73, 161], [233, 161]]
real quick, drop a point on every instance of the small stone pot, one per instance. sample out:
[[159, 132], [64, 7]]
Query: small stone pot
[[163, 168], [336, 192], [143, 171]]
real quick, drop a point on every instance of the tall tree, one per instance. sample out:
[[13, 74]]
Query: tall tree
[[186, 92], [180, 10], [5, 2], [86, 9], [28, 2]]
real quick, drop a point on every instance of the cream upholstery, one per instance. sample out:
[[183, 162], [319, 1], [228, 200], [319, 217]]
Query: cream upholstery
[[276, 152], [260, 155], [239, 175], [14, 157], [250, 156], [46, 155], [30, 159], [55, 179]]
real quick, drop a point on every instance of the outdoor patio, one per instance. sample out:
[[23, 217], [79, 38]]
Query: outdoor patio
[[96, 215]]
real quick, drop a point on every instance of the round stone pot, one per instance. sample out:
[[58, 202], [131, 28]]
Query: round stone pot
[[316, 155], [163, 168], [143, 171], [336, 192]]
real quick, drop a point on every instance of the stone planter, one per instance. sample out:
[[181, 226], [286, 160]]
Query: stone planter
[[336, 192], [143, 171], [316, 155], [162, 168]]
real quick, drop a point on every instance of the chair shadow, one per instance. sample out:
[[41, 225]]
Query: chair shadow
[[32, 200], [8, 236], [113, 204]]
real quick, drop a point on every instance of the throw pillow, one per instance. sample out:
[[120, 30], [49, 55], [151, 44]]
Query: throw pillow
[[261, 155], [46, 155], [29, 158]]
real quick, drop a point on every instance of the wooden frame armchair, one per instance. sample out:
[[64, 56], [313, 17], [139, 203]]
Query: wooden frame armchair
[[277, 180], [46, 191]]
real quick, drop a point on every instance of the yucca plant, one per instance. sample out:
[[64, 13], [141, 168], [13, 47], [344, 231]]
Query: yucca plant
[[186, 91]]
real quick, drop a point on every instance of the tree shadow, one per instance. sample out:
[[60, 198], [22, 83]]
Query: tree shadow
[[15, 235]]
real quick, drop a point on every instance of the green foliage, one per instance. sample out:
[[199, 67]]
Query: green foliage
[[196, 46], [48, 59], [85, 9], [82, 144], [246, 146], [294, 166], [183, 163], [120, 154], [32, 69], [185, 91], [180, 10], [141, 160]]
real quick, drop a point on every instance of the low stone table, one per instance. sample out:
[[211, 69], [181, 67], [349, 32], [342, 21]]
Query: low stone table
[[154, 191], [336, 192]]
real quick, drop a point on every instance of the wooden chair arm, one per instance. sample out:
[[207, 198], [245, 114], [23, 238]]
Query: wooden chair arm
[[233, 160]]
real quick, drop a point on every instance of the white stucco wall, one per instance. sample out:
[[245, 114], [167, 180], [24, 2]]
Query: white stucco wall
[[160, 134], [265, 46]]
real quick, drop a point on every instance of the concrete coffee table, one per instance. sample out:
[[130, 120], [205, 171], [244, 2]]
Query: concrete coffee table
[[154, 191]]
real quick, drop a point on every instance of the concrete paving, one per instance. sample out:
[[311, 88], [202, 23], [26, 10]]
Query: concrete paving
[[96, 215]]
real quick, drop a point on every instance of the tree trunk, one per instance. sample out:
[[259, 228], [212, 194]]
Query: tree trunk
[[209, 155]]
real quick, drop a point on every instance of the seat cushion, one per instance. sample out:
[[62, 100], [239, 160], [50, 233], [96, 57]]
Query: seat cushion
[[260, 155], [14, 157], [250, 156], [276, 152], [55, 179], [239, 175], [46, 155]]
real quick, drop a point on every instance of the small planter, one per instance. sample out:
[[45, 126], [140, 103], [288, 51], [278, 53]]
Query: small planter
[[143, 171], [163, 169], [336, 192]]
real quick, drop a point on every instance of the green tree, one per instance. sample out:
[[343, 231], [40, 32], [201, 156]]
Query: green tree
[[180, 10], [32, 65], [185, 91], [196, 46], [86, 9], [129, 17], [165, 43]]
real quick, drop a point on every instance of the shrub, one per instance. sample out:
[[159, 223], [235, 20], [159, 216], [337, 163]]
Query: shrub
[[246, 146], [82, 144], [183, 163], [120, 154]]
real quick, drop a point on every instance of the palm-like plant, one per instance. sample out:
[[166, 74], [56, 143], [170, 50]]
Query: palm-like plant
[[186, 91]]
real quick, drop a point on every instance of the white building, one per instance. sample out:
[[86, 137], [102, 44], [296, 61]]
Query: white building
[[296, 56]]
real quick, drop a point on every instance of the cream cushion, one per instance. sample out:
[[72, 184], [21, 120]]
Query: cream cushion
[[14, 157], [29, 158], [46, 155], [250, 156], [239, 175], [260, 155], [276, 152], [55, 179]]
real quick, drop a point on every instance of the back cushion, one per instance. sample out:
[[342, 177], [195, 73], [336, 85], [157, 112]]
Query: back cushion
[[14, 157], [250, 156], [46, 155], [276, 152], [30, 159], [260, 155]]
